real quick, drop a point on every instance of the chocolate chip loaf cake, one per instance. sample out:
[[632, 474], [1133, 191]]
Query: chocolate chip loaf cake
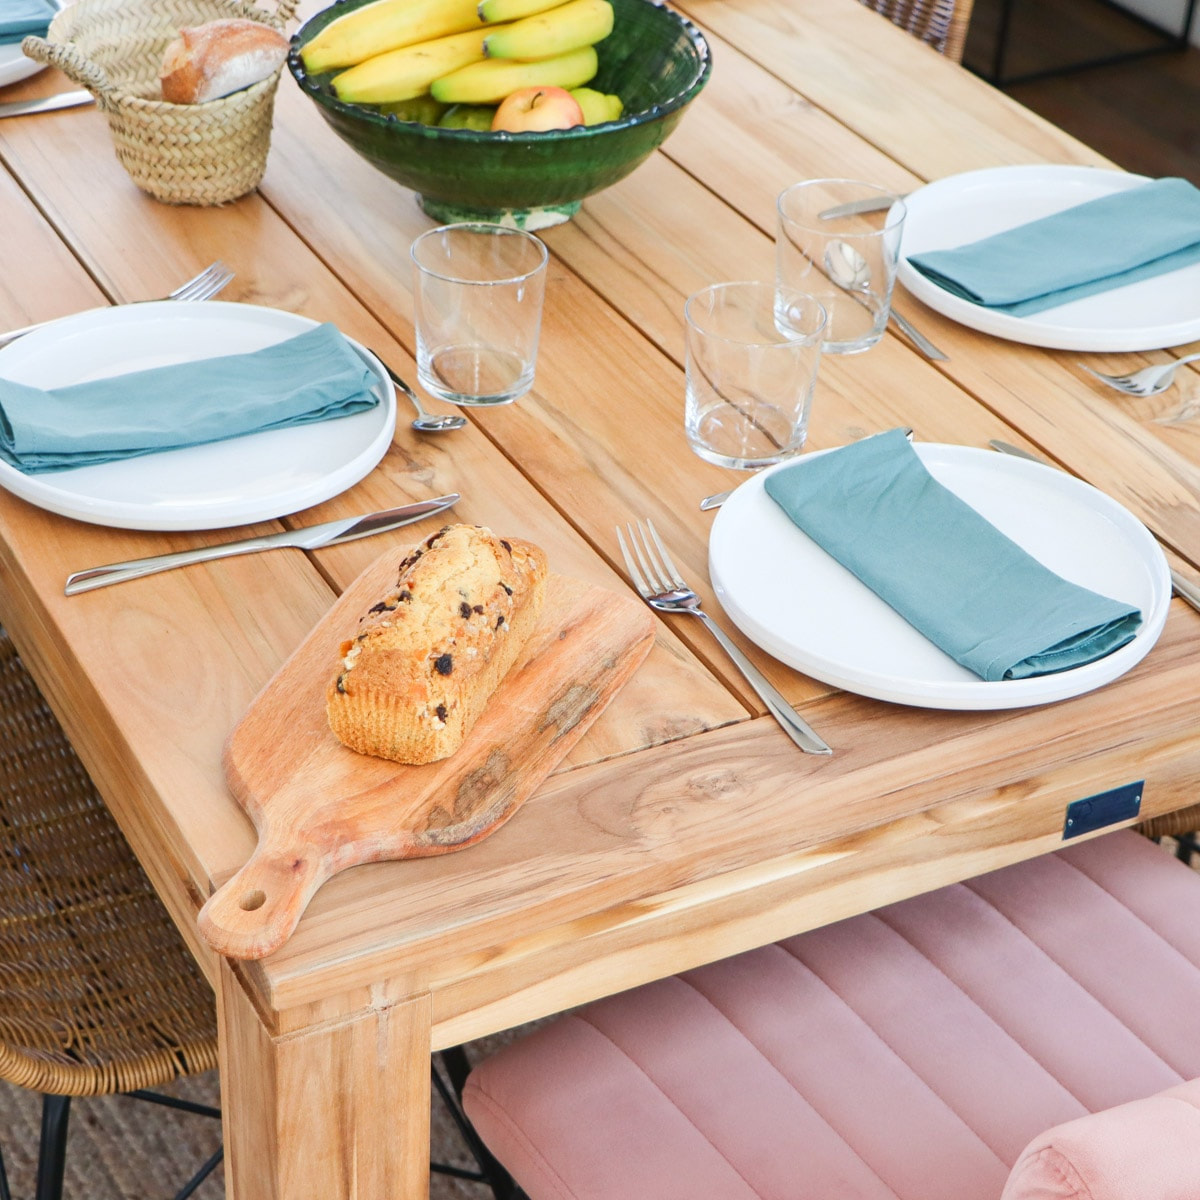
[[427, 657]]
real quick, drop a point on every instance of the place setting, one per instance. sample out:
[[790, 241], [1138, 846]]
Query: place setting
[[181, 415], [1060, 256], [936, 576]]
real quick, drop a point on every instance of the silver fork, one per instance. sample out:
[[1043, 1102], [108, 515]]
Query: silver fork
[[1149, 381], [200, 287], [661, 586]]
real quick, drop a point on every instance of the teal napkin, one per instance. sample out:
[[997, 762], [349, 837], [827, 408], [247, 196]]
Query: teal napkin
[[20, 18], [315, 376], [1103, 244], [949, 572]]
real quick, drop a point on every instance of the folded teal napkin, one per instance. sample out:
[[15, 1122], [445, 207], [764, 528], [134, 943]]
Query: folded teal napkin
[[315, 376], [20, 18], [1103, 244], [950, 573]]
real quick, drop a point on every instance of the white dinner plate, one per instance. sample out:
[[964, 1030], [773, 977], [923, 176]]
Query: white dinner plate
[[233, 482], [14, 66], [803, 607], [1148, 315]]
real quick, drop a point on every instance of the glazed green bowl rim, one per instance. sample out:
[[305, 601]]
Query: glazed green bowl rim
[[372, 116]]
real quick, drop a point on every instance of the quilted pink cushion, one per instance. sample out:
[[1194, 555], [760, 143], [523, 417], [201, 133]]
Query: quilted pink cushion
[[1145, 1150], [906, 1054]]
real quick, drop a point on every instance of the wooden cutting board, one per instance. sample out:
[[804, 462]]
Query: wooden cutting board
[[320, 808]]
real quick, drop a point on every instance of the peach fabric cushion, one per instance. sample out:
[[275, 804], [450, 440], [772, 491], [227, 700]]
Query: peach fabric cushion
[[907, 1054], [1145, 1150]]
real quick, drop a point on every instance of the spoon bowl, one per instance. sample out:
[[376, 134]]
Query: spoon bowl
[[425, 421], [852, 273]]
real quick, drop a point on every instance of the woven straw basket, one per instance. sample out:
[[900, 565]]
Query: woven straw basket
[[179, 153]]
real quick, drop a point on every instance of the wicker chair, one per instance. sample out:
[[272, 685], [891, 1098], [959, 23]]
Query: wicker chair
[[941, 23], [98, 994]]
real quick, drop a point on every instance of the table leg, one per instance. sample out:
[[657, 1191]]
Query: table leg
[[338, 1110]]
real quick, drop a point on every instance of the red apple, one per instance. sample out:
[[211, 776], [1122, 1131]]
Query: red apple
[[535, 109]]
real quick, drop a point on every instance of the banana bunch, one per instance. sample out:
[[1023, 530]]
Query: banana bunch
[[472, 52]]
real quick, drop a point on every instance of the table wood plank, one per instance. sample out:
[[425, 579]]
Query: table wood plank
[[592, 852]]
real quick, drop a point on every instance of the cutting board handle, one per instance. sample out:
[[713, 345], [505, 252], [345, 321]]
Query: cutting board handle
[[255, 911]]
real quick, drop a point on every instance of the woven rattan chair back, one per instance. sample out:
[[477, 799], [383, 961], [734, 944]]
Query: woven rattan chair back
[[98, 993], [941, 23]]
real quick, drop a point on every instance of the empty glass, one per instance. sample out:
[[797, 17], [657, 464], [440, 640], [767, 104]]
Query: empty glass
[[478, 296], [846, 258], [752, 355]]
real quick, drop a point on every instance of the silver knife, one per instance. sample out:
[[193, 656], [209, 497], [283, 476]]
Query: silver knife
[[22, 108], [331, 533], [917, 338], [1183, 587]]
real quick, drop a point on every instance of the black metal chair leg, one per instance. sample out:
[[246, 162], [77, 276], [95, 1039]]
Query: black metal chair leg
[[458, 1067], [5, 1194], [52, 1151]]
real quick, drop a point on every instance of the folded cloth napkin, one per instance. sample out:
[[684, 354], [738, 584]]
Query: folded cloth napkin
[[20, 18], [1105, 243], [950, 573], [315, 376]]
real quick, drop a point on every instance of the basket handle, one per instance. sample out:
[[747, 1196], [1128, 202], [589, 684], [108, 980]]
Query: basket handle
[[70, 62], [285, 10]]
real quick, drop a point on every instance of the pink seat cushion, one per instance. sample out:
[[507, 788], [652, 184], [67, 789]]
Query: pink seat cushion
[[907, 1054], [1145, 1150]]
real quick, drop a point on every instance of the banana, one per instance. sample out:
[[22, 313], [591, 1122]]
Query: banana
[[386, 25], [597, 107], [407, 73], [492, 11], [489, 82], [577, 23]]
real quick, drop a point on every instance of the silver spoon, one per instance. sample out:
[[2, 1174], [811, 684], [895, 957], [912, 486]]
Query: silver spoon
[[852, 273], [425, 422]]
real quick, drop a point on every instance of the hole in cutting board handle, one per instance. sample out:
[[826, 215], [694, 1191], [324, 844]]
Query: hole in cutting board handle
[[253, 900]]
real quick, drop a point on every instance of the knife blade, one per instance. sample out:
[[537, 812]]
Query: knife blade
[[1183, 587], [330, 533], [22, 108]]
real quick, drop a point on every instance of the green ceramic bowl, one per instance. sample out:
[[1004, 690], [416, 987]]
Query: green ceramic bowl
[[655, 60]]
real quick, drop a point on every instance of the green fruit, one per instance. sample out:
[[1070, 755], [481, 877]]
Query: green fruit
[[468, 116], [597, 107], [422, 110]]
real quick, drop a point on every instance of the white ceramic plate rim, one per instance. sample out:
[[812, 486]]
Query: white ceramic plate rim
[[753, 546], [1149, 315], [15, 66], [197, 487]]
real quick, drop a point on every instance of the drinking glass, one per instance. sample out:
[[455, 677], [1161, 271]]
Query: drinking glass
[[752, 355], [847, 259], [478, 298]]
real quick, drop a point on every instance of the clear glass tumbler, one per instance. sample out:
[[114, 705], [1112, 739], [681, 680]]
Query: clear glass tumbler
[[839, 240], [752, 356], [478, 297]]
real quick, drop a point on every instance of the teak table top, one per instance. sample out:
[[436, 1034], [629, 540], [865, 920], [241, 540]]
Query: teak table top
[[684, 826]]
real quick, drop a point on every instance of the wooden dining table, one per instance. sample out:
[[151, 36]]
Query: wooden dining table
[[684, 826]]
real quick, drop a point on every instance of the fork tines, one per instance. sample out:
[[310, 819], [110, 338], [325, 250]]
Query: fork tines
[[658, 573], [210, 281]]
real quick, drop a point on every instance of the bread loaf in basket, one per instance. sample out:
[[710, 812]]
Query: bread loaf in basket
[[203, 154]]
